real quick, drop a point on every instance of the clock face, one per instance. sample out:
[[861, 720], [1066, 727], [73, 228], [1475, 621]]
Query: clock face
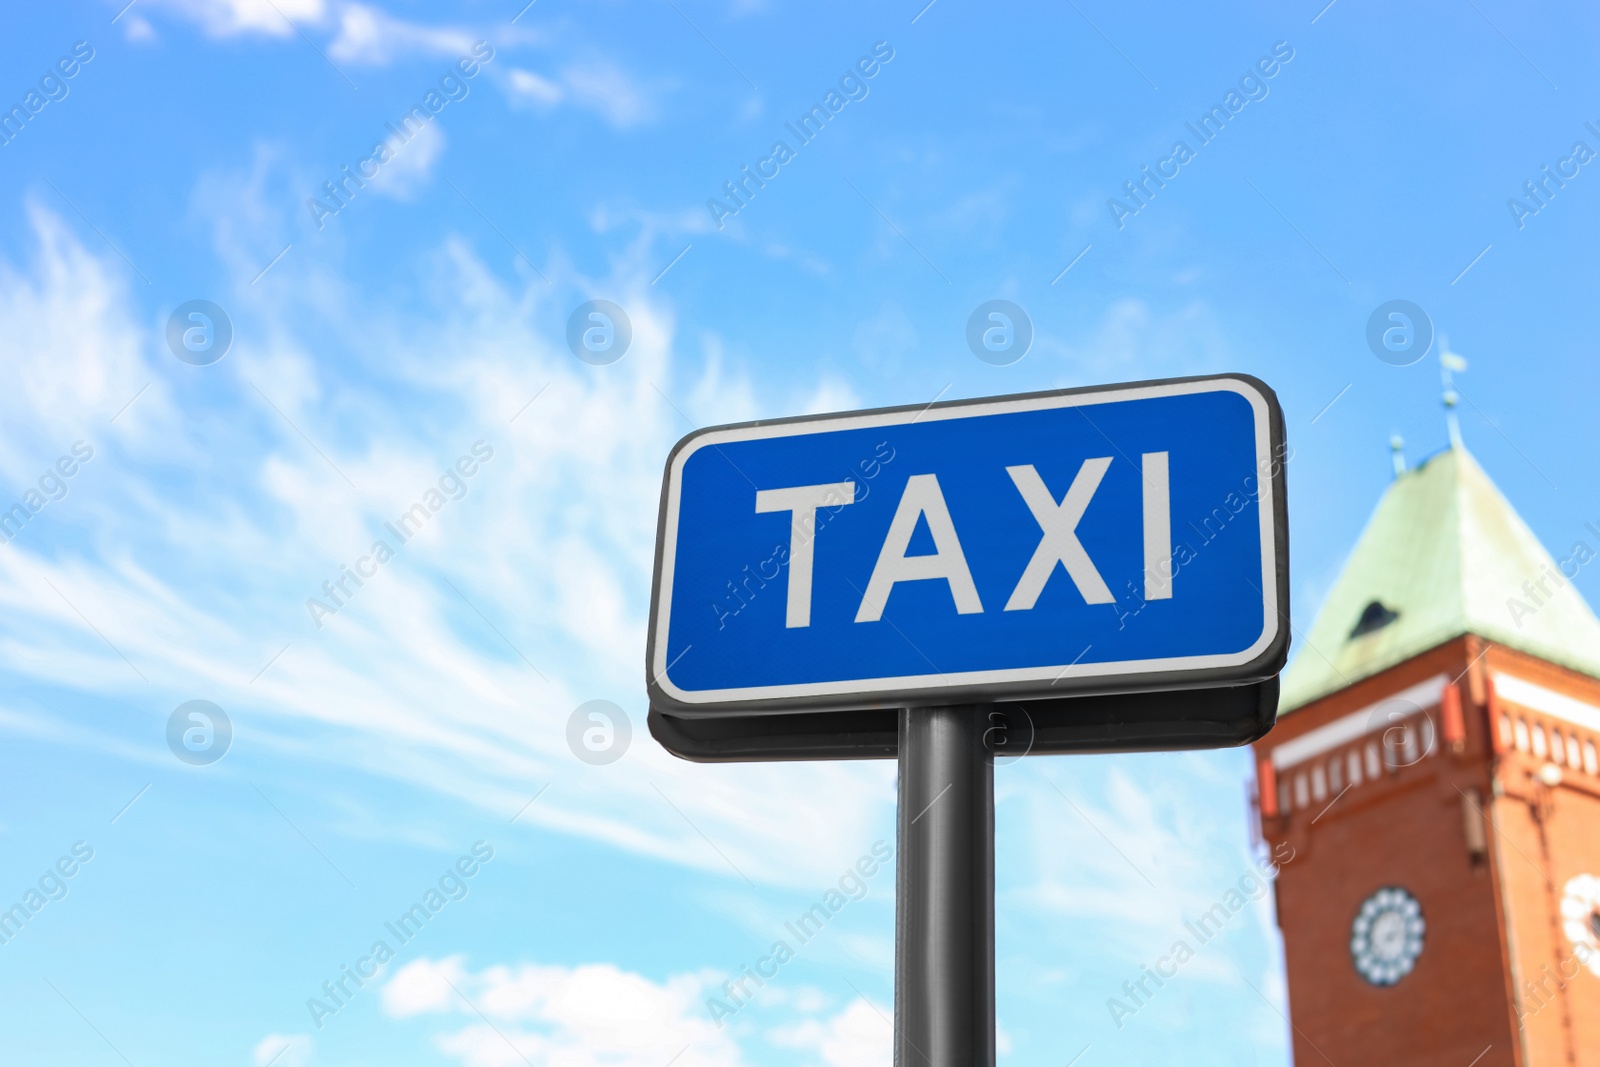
[[1386, 937], [1580, 919]]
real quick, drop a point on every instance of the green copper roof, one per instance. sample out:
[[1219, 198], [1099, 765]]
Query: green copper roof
[[1444, 554]]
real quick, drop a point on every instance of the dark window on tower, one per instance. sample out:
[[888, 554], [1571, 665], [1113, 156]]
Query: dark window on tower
[[1375, 616]]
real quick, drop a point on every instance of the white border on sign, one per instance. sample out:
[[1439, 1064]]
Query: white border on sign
[[1053, 673]]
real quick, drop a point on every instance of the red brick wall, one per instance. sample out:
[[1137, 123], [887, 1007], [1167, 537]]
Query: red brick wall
[[1546, 836], [1499, 981], [1404, 828]]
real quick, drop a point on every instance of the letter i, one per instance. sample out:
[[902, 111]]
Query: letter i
[[1157, 527]]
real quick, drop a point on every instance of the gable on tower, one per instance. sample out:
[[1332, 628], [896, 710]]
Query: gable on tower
[[1444, 554]]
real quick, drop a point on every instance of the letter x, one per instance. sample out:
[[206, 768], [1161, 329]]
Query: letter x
[[1060, 541]]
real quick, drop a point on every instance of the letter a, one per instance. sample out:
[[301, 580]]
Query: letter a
[[319, 1011], [1520, 211], [1060, 541], [320, 211], [802, 502], [314, 605], [719, 1010], [922, 497]]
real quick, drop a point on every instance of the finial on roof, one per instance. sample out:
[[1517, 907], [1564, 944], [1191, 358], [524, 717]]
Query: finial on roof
[[1450, 362], [1397, 454]]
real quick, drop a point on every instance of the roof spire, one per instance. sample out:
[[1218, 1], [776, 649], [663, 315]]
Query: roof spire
[[1397, 454], [1448, 362]]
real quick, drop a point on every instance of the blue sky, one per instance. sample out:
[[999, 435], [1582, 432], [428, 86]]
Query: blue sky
[[375, 346]]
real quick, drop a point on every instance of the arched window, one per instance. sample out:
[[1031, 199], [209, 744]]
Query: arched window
[[1590, 763], [1522, 735], [1541, 748], [1302, 795], [1354, 761]]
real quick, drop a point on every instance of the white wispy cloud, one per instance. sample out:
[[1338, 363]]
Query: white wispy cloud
[[861, 1035], [62, 374], [283, 1050], [600, 1015], [230, 18], [1126, 853], [597, 85], [591, 1015], [412, 165], [137, 28], [531, 88], [1132, 338], [225, 496], [363, 34], [353, 34], [371, 36], [607, 89]]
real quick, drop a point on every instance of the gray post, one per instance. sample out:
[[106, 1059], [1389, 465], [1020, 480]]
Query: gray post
[[944, 896]]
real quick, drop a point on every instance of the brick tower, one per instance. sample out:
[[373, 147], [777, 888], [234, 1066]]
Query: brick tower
[[1434, 768]]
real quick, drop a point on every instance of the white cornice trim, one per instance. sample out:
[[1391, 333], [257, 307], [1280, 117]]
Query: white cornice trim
[[1526, 694], [1367, 720]]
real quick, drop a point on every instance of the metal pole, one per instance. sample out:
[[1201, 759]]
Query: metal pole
[[944, 896]]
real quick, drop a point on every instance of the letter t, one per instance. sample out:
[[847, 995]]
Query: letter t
[[802, 502]]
